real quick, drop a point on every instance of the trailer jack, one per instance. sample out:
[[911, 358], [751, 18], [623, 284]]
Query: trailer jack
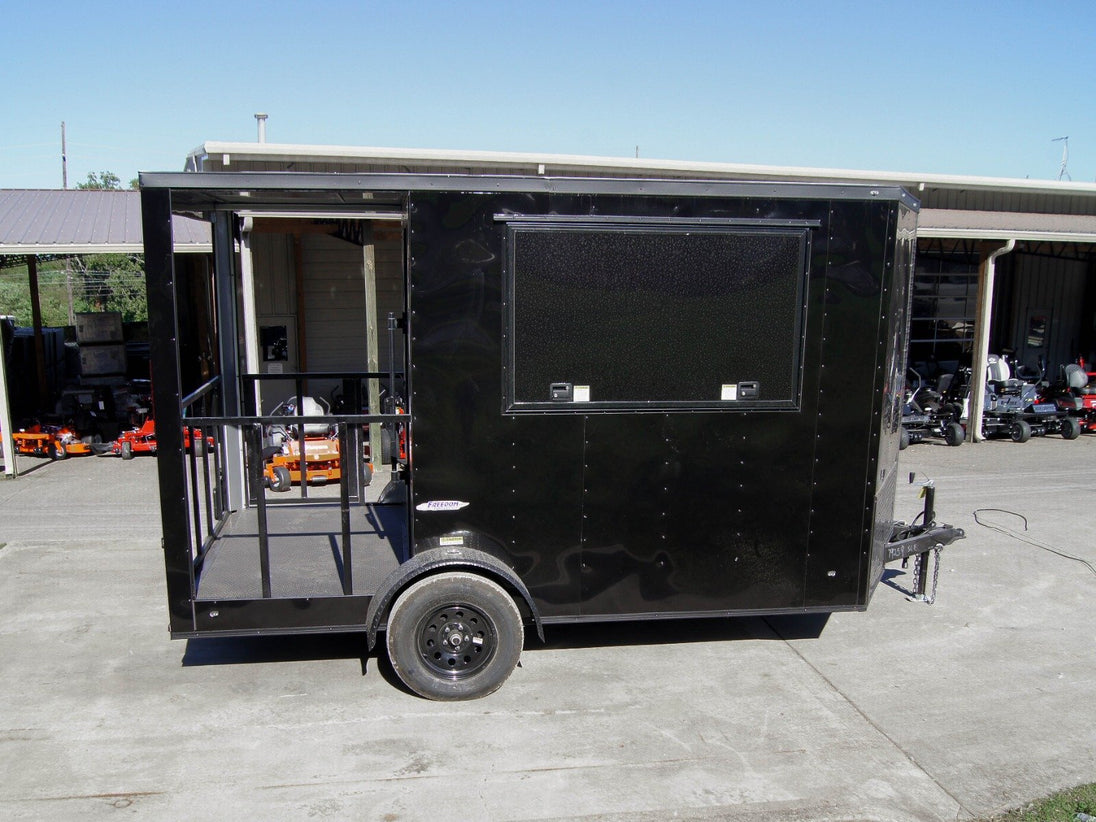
[[919, 541]]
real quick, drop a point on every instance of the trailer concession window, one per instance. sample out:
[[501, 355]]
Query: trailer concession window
[[614, 314]]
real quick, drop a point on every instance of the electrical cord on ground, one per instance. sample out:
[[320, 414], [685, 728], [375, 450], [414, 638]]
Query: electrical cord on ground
[[1019, 536]]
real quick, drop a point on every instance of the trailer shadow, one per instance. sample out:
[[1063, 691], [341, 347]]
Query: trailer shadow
[[676, 631], [256, 650], [253, 650], [641, 633]]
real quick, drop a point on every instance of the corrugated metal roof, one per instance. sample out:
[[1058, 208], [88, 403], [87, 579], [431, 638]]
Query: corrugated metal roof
[[934, 190], [75, 221], [958, 224]]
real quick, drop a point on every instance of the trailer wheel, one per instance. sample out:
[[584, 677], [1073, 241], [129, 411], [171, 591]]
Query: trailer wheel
[[1019, 431], [454, 636], [282, 479], [953, 434], [127, 450], [903, 439]]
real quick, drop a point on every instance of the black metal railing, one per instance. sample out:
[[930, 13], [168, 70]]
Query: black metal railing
[[347, 427], [203, 445], [353, 401], [207, 463]]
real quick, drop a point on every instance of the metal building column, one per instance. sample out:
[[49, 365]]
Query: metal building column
[[5, 416], [39, 344], [986, 271]]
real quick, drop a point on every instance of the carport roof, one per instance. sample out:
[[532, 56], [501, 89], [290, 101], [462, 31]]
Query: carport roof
[[960, 224], [78, 221], [947, 191]]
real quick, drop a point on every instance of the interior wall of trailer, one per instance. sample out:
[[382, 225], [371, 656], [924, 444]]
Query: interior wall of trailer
[[311, 288]]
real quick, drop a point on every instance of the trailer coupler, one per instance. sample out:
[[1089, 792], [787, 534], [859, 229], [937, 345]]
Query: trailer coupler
[[919, 541]]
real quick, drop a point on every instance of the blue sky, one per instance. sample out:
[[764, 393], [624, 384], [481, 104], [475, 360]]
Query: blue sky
[[931, 87]]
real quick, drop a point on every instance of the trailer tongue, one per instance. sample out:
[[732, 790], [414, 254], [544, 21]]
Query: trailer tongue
[[922, 541]]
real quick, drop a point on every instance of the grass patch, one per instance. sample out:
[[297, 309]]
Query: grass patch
[[1059, 807]]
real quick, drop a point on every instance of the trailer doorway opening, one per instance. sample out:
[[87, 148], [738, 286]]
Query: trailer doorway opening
[[293, 491]]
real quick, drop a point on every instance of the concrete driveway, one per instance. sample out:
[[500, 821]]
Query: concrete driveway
[[908, 712]]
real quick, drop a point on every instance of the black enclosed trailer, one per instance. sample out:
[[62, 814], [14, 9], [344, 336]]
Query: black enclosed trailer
[[624, 399]]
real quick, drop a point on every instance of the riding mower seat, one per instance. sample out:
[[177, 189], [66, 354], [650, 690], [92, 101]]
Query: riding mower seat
[[1077, 379], [999, 376]]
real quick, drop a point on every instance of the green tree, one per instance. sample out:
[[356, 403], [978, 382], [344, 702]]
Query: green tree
[[112, 282], [109, 282], [103, 181]]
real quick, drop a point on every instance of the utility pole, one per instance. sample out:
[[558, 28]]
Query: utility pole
[[1065, 157], [64, 158], [68, 260]]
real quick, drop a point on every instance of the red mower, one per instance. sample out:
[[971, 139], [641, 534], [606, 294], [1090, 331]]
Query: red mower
[[1075, 394], [143, 441]]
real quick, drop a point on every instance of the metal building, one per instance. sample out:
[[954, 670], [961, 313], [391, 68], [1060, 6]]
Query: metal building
[[1003, 265]]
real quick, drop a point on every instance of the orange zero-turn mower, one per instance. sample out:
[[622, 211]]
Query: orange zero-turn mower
[[321, 459], [53, 441]]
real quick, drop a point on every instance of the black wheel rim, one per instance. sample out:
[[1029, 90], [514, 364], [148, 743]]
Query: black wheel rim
[[456, 641]]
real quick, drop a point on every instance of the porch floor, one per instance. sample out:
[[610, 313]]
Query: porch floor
[[305, 551]]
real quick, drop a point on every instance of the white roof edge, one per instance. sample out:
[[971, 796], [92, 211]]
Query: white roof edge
[[114, 248], [1005, 234], [442, 157]]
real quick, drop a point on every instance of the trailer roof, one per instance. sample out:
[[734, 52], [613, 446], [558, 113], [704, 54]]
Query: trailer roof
[[949, 192], [225, 153], [238, 190]]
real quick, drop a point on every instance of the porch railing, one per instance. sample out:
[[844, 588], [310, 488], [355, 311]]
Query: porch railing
[[206, 461]]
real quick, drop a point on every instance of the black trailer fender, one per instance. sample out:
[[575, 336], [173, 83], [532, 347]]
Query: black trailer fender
[[449, 559]]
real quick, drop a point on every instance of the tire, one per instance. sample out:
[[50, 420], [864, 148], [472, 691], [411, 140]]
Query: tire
[[282, 479], [1019, 431], [57, 451], [127, 450], [1070, 428], [903, 439], [454, 636], [954, 434]]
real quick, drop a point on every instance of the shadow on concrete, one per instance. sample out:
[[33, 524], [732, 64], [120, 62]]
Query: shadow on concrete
[[36, 464], [254, 650], [666, 631], [891, 575]]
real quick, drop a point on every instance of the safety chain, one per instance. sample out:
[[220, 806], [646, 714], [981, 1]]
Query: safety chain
[[930, 597]]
